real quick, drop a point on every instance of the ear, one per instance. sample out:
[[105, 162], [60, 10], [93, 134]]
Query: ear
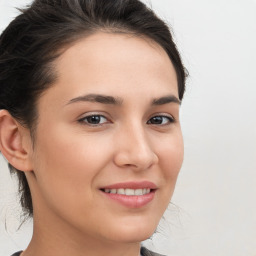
[[15, 142]]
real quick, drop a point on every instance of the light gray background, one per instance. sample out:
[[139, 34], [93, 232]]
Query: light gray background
[[215, 212]]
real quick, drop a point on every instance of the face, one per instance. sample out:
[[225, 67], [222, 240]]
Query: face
[[108, 143]]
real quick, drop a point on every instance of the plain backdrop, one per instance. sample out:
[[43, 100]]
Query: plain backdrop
[[214, 207]]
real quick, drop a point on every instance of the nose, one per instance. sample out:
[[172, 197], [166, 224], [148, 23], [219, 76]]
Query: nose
[[134, 150]]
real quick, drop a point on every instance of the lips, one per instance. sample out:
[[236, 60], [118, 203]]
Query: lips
[[131, 194]]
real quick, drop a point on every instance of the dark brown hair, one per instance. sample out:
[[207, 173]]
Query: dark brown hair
[[33, 40]]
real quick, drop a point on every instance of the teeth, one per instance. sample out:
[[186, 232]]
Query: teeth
[[120, 191], [128, 191], [113, 191], [139, 192]]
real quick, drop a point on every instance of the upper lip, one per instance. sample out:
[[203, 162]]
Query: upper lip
[[132, 185]]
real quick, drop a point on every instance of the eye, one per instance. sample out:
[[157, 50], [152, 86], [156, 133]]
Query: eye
[[94, 120], [160, 120]]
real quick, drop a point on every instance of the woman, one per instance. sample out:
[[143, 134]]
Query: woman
[[89, 96]]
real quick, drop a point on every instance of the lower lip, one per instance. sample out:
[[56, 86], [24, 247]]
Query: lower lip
[[132, 201]]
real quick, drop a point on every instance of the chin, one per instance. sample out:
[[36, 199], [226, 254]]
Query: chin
[[133, 233]]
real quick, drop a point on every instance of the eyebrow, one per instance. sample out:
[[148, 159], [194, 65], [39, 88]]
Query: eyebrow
[[166, 100], [105, 99]]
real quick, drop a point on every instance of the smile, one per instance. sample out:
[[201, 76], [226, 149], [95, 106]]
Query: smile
[[131, 194], [128, 191]]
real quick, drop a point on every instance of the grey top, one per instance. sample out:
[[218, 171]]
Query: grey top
[[143, 251], [146, 252]]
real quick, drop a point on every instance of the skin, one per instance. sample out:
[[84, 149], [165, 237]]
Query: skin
[[72, 159]]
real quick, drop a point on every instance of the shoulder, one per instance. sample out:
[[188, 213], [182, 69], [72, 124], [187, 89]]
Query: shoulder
[[17, 253], [146, 252]]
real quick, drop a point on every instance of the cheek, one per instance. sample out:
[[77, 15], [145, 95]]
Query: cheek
[[171, 157], [170, 154], [68, 163], [66, 168]]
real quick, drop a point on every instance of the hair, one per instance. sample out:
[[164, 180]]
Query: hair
[[35, 38]]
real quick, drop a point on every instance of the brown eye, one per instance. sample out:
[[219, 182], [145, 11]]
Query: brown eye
[[160, 120], [94, 120]]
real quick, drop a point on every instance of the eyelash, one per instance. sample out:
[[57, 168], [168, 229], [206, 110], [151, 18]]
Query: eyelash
[[85, 120], [169, 119]]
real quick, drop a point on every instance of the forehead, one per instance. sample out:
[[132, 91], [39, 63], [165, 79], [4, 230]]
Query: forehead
[[115, 47], [110, 64]]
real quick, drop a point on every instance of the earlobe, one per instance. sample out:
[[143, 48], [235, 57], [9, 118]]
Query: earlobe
[[12, 140]]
